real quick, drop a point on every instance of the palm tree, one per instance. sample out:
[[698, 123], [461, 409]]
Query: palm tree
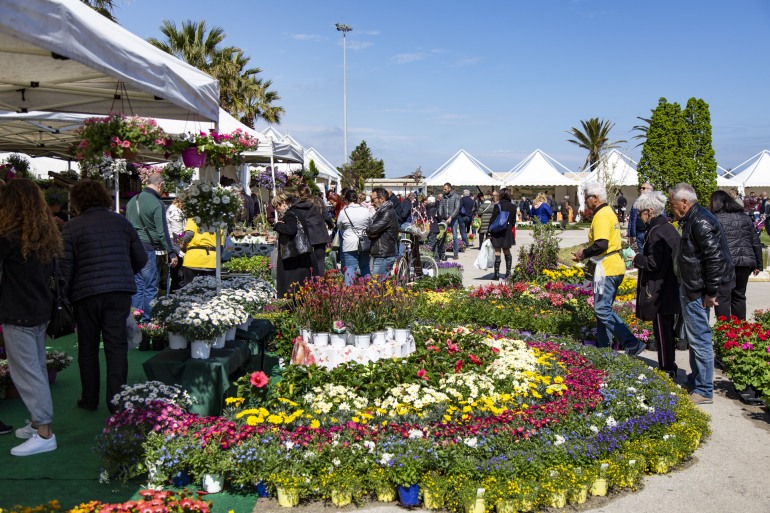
[[241, 93], [642, 129], [595, 138]]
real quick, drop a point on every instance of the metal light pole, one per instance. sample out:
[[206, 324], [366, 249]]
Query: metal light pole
[[344, 29]]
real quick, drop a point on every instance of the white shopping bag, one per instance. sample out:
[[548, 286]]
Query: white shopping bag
[[486, 258]]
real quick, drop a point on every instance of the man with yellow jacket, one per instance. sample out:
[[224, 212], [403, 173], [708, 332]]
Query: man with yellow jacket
[[200, 258]]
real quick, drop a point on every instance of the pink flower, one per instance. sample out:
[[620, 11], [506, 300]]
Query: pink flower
[[259, 379], [422, 374]]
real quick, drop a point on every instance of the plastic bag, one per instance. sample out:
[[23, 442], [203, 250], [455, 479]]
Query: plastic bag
[[486, 258], [133, 332]]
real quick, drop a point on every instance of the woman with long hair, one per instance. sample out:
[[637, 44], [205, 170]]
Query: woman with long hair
[[540, 209], [502, 240], [291, 272], [29, 243], [745, 250], [313, 215]]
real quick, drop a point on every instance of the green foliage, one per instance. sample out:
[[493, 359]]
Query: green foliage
[[56, 196], [20, 164], [542, 254], [594, 137], [678, 148], [440, 282], [362, 166], [259, 266]]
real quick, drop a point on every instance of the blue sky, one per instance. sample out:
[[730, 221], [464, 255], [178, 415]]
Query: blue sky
[[496, 78]]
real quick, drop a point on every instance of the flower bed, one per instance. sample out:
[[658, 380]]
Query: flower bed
[[526, 421], [744, 350]]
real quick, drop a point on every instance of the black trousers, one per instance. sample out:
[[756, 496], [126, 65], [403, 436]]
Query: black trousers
[[319, 260], [102, 318], [663, 329], [190, 274], [732, 300]]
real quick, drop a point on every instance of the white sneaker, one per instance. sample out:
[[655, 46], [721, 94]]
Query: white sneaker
[[35, 445], [26, 432]]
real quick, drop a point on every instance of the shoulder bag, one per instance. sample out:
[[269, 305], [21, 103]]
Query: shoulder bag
[[297, 246], [364, 243], [501, 222], [62, 316], [159, 250]]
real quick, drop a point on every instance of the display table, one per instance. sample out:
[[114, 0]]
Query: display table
[[205, 380], [251, 246]]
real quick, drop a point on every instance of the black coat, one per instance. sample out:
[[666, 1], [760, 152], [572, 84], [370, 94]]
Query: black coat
[[292, 272], [503, 239], [102, 252], [742, 238], [383, 231], [25, 294], [431, 214], [657, 290], [703, 261], [312, 217]]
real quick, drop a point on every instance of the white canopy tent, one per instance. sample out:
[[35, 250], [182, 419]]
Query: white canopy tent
[[754, 172], [538, 169], [462, 169], [62, 56], [326, 170], [617, 169], [726, 181], [40, 133]]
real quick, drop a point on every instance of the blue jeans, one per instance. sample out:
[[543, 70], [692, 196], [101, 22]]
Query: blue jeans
[[640, 236], [353, 261], [465, 222], [382, 266], [400, 248], [458, 230], [146, 286], [697, 332], [607, 321], [26, 361]]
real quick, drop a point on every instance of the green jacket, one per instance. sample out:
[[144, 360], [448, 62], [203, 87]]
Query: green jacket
[[153, 218]]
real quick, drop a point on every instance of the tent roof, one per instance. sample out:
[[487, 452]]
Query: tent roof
[[63, 56], [323, 165], [272, 133], [39, 133], [462, 169], [755, 172], [538, 168], [620, 167]]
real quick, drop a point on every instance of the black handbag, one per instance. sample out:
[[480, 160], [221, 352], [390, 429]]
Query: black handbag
[[298, 246], [62, 316], [364, 242]]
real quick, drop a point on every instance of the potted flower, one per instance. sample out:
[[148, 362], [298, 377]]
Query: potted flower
[[176, 175], [210, 205], [118, 136], [210, 463], [55, 362]]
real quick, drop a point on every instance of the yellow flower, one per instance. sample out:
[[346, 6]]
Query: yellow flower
[[315, 424]]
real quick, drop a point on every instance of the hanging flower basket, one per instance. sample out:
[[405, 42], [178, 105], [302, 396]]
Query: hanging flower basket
[[193, 158], [118, 136]]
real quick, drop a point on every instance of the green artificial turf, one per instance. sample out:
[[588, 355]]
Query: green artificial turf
[[71, 473]]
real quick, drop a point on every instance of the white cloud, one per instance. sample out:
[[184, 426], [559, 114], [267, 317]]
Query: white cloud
[[315, 38], [359, 45], [404, 58]]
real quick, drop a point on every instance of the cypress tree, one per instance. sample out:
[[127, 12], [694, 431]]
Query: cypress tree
[[704, 173]]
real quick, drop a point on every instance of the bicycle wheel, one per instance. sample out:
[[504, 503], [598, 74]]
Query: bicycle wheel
[[429, 266], [401, 272]]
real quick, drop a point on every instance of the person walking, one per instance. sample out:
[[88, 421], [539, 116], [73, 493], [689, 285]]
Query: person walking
[[352, 224], [745, 252], [524, 207], [564, 206], [176, 223], [466, 215], [657, 290], [314, 217], [621, 203], [383, 232], [147, 214], [449, 211], [540, 210], [431, 217], [636, 227], [604, 251], [102, 253], [485, 212], [502, 239], [292, 271], [29, 243], [701, 265]]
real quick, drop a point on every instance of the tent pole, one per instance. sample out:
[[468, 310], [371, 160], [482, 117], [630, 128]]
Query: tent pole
[[219, 259], [272, 171], [116, 179]]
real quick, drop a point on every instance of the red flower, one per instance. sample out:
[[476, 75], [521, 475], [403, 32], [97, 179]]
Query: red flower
[[495, 350], [459, 366], [422, 374], [473, 359], [451, 347], [259, 379]]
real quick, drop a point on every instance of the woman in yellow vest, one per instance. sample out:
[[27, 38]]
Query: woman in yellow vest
[[200, 257]]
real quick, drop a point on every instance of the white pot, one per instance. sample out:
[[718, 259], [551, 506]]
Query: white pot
[[246, 324], [200, 349], [320, 339], [213, 483], [402, 334], [307, 336], [219, 342], [338, 339], [390, 333], [230, 334], [405, 349], [176, 341], [363, 341], [379, 338]]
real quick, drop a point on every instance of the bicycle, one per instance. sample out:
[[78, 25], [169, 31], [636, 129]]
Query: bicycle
[[404, 270]]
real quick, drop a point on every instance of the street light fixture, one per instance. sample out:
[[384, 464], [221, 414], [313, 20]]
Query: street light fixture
[[341, 27]]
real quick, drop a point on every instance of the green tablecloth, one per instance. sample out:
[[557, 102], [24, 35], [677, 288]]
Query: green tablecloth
[[205, 380]]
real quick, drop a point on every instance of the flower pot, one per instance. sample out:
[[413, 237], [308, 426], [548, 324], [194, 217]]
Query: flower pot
[[287, 497], [176, 341], [409, 495], [558, 500], [262, 489], [390, 333], [578, 495], [213, 483], [193, 158], [200, 349], [321, 339], [338, 339], [181, 478], [340, 498], [52, 375], [599, 488], [401, 334], [158, 344], [363, 341], [307, 335], [386, 495], [379, 338], [219, 342], [245, 324], [477, 506], [230, 334], [659, 465]]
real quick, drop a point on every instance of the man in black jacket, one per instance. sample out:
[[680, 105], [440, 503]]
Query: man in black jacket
[[383, 232], [702, 263]]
